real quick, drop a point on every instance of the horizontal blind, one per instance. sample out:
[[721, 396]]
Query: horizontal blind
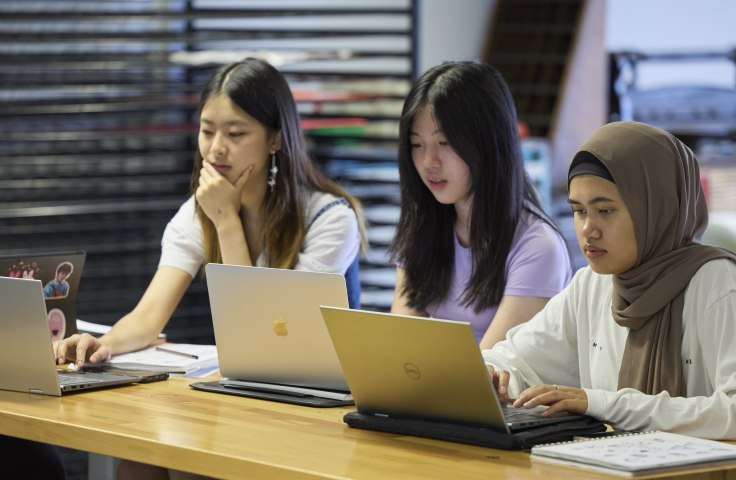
[[98, 125]]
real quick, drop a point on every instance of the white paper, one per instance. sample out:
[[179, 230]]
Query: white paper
[[92, 327], [155, 358], [203, 372]]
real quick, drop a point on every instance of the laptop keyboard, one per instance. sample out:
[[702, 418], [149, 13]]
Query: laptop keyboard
[[513, 416], [521, 417]]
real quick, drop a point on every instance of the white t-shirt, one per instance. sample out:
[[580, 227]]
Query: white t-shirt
[[330, 245], [575, 341]]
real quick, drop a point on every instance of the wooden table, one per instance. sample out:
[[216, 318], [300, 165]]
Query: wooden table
[[171, 425]]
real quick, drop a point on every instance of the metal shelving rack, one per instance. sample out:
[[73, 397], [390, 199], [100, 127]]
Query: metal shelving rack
[[98, 125], [703, 116]]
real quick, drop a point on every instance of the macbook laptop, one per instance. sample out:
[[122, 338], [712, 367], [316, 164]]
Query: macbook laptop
[[269, 330], [422, 368], [26, 354]]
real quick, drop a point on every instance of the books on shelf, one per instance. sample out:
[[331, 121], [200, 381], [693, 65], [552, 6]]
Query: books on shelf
[[720, 182], [371, 129], [382, 108], [638, 453], [309, 90], [275, 58], [321, 123]]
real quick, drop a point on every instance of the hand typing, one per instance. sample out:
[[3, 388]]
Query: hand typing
[[80, 348], [501, 383], [572, 399]]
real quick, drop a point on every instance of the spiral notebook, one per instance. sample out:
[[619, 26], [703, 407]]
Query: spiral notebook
[[638, 453]]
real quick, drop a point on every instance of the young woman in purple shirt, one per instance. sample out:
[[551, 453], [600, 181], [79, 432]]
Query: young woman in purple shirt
[[472, 242]]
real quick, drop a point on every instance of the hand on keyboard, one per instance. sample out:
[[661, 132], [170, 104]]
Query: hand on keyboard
[[558, 398]]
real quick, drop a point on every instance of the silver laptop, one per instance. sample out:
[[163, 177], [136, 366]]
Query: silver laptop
[[26, 354], [269, 329], [422, 368]]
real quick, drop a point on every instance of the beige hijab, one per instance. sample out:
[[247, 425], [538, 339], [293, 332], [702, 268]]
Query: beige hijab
[[659, 179]]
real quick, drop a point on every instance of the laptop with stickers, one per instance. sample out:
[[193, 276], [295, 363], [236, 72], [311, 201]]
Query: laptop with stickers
[[26, 353], [60, 274]]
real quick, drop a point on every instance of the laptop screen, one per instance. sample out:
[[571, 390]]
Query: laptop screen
[[60, 274]]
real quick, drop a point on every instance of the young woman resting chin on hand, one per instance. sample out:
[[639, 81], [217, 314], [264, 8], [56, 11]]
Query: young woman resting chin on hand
[[256, 200]]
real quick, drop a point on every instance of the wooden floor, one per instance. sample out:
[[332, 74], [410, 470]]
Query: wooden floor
[[171, 425]]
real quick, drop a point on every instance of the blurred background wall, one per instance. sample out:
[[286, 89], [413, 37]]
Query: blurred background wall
[[440, 22], [670, 25]]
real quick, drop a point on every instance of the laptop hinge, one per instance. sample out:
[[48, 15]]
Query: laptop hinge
[[33, 390]]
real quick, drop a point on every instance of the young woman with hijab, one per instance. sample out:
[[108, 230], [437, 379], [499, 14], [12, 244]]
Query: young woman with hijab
[[645, 337], [257, 199], [472, 243]]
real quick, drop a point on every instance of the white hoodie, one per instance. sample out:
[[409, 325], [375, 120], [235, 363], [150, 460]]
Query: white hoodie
[[575, 341]]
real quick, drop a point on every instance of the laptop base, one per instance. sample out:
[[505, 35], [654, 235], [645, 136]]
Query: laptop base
[[522, 418], [307, 401], [482, 437], [70, 381]]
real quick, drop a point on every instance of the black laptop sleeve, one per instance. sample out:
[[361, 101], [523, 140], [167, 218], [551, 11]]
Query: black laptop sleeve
[[525, 439]]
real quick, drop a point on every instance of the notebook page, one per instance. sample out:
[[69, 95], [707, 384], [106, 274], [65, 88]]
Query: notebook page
[[152, 357], [640, 451]]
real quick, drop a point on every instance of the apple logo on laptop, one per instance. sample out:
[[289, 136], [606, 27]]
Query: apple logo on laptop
[[279, 326]]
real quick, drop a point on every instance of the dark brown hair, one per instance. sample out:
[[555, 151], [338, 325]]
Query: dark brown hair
[[65, 267]]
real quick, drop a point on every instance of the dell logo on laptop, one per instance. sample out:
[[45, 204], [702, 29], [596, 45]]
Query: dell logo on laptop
[[412, 371]]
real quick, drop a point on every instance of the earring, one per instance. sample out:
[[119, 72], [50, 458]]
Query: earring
[[274, 171]]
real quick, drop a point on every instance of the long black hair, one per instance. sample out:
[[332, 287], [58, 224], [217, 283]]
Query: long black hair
[[263, 93], [473, 107]]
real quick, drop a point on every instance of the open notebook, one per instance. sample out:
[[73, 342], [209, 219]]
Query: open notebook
[[152, 360], [638, 453]]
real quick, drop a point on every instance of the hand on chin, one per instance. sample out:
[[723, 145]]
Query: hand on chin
[[218, 196]]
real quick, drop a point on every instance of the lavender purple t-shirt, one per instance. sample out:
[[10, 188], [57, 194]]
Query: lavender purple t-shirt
[[538, 265]]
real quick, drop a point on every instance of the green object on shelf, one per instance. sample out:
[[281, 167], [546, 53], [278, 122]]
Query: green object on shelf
[[339, 131], [348, 142]]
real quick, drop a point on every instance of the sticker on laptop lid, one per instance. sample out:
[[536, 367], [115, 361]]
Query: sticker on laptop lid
[[24, 270], [58, 287], [57, 324]]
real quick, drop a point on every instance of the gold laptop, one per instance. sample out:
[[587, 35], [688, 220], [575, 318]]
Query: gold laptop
[[421, 368]]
